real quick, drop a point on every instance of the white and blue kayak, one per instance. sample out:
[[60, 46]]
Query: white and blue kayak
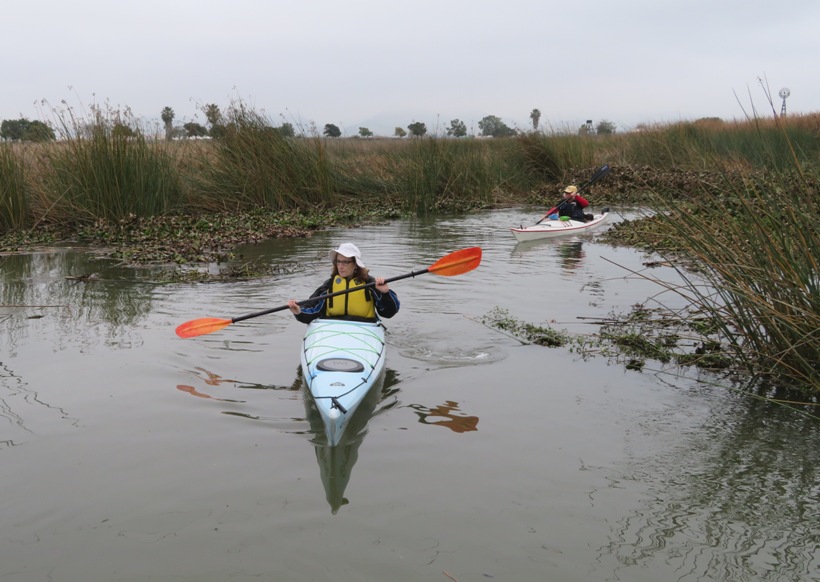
[[341, 362]]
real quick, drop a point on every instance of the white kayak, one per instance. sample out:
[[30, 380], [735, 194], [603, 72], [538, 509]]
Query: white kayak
[[552, 228], [341, 361]]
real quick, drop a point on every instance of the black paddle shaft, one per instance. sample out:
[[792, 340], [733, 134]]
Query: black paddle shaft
[[327, 296]]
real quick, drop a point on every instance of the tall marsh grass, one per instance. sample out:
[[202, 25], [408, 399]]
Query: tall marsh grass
[[549, 157], [757, 258], [106, 166], [701, 145], [14, 198], [255, 166], [99, 170], [436, 174]]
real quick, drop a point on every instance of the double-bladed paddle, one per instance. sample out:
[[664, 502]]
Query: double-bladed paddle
[[603, 171], [456, 263]]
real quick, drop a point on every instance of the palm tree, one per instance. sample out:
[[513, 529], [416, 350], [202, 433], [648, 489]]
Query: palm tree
[[168, 119], [535, 115]]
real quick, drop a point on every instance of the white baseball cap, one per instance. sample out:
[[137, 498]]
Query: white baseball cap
[[348, 250]]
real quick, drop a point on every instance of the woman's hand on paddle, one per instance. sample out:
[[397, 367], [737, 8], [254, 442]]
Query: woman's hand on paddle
[[381, 286], [294, 307]]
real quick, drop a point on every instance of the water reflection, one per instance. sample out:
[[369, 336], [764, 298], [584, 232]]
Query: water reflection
[[194, 392], [27, 299], [13, 389], [214, 380], [336, 463], [753, 501], [674, 485], [454, 420], [11, 385], [569, 254], [87, 289]]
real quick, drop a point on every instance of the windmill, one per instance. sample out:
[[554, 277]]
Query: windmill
[[784, 92]]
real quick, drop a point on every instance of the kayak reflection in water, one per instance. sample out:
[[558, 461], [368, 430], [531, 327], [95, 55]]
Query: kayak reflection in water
[[367, 304], [571, 255], [456, 422]]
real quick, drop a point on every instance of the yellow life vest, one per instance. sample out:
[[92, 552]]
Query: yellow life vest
[[356, 304]]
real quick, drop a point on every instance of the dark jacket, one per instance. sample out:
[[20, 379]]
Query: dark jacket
[[574, 208]]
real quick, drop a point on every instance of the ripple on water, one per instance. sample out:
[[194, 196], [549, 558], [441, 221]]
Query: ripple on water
[[442, 349]]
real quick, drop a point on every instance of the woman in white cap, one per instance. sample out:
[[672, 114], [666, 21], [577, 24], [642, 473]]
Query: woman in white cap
[[366, 304]]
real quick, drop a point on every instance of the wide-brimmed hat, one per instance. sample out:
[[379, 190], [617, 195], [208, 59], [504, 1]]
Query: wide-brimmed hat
[[348, 250], [571, 190]]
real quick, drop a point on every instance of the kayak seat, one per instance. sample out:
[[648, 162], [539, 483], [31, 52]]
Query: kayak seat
[[339, 365]]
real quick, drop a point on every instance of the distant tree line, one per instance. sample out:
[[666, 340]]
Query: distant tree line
[[490, 126]]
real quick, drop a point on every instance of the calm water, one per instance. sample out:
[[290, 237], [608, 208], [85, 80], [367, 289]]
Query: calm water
[[130, 454]]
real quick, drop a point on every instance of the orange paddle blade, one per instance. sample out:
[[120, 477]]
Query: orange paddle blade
[[202, 326], [457, 262]]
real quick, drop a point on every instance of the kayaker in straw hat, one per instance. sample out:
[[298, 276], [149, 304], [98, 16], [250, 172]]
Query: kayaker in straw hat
[[573, 204], [348, 271]]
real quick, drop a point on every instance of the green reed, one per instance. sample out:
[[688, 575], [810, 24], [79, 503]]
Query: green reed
[[777, 145], [438, 174], [98, 171], [549, 157], [14, 197], [756, 251], [699, 145], [105, 166], [254, 165], [451, 175]]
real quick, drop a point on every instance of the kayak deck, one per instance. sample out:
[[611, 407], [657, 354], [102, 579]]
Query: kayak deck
[[341, 362], [555, 228]]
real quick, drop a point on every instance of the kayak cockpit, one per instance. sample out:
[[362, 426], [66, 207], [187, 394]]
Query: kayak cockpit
[[340, 365]]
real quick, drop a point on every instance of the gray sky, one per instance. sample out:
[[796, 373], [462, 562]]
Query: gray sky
[[382, 64]]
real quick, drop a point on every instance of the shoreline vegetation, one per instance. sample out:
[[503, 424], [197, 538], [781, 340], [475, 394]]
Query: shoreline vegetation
[[733, 206]]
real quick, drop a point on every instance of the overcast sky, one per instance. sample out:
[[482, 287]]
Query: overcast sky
[[382, 63]]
